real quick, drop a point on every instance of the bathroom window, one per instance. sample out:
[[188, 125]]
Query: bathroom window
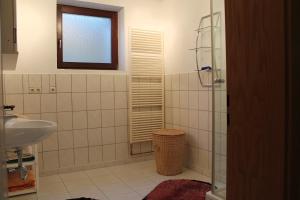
[[86, 38]]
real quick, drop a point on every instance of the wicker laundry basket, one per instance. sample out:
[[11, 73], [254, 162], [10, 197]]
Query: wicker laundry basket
[[169, 151]]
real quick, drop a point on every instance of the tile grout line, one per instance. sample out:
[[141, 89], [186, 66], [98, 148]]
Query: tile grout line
[[96, 185]]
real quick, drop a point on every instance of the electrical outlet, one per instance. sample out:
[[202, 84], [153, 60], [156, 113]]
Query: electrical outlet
[[31, 90], [34, 90], [52, 89]]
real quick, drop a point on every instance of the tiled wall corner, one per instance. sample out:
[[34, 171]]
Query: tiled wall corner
[[187, 108]]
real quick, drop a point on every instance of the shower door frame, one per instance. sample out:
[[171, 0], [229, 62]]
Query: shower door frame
[[3, 182]]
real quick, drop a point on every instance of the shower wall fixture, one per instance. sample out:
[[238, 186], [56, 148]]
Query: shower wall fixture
[[146, 84], [207, 26]]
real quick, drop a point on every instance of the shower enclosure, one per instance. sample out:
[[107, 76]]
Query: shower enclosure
[[219, 99]]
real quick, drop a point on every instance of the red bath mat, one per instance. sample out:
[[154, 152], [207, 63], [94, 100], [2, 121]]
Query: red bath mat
[[179, 190]]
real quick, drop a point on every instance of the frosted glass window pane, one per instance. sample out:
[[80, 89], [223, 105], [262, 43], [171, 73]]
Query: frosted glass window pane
[[86, 39]]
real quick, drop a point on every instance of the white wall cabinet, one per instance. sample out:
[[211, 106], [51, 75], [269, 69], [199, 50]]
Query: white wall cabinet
[[8, 27]]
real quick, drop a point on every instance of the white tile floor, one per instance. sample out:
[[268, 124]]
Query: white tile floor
[[125, 182]]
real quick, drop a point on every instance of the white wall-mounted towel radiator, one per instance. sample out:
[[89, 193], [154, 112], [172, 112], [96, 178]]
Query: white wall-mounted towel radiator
[[146, 84]]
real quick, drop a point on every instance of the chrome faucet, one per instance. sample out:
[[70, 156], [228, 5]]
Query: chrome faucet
[[8, 107]]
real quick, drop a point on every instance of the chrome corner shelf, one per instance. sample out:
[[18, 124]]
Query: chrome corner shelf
[[198, 48]]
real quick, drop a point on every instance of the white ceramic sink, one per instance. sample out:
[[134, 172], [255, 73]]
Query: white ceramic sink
[[21, 132]]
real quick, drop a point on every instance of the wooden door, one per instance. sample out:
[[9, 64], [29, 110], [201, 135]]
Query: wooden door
[[256, 75]]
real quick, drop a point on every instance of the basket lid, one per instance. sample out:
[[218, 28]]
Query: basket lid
[[169, 132]]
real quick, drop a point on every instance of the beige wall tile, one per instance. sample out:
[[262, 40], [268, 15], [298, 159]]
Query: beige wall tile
[[80, 138], [93, 83], [93, 101], [192, 157], [121, 134], [175, 82], [184, 81], [64, 121], [203, 159], [80, 120], [107, 100], [94, 119], [193, 100], [78, 83], [65, 140], [81, 156], [109, 152], [25, 83], [63, 83], [108, 118], [107, 83], [108, 135], [121, 117], [168, 98], [95, 154], [175, 99], [32, 103], [193, 119], [193, 137], [184, 117], [40, 147], [169, 125], [45, 83], [176, 116], [48, 103], [66, 158], [120, 82], [49, 116], [40, 161], [51, 161], [35, 81], [33, 116], [79, 101], [64, 102], [204, 140], [184, 99], [203, 120], [121, 100], [168, 82], [122, 151], [194, 81], [52, 80], [51, 143], [203, 100], [169, 115], [94, 137]]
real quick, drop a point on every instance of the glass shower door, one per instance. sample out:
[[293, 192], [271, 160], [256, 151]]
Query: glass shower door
[[2, 148], [219, 98]]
